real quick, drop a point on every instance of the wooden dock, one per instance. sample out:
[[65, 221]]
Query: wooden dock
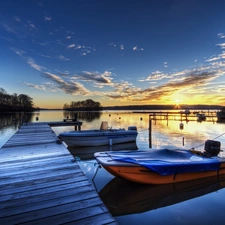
[[40, 183]]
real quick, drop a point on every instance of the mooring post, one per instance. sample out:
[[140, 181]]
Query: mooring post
[[150, 132]]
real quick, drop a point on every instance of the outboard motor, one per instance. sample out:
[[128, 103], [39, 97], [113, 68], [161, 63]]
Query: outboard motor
[[132, 128], [212, 148]]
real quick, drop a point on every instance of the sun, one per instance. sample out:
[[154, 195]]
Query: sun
[[177, 103]]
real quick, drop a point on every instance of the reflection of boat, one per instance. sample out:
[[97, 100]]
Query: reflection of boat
[[164, 166], [102, 136], [122, 197], [201, 116], [88, 152]]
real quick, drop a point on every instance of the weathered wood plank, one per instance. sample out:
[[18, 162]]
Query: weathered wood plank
[[44, 194], [39, 162], [69, 213], [97, 219], [35, 166], [70, 198], [41, 174], [40, 184]]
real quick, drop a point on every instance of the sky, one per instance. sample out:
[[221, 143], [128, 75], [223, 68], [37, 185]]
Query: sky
[[116, 52]]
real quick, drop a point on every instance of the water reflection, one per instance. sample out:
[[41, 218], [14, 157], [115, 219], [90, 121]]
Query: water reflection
[[13, 120], [88, 152], [9, 123], [123, 197], [85, 116]]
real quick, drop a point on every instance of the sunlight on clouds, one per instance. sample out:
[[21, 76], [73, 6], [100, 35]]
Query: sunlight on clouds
[[61, 48]]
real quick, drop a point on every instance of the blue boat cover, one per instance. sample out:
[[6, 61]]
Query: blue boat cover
[[168, 162]]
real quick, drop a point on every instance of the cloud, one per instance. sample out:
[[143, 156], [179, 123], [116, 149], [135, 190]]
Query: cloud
[[155, 76], [100, 78], [222, 45], [71, 87], [31, 26], [18, 51], [62, 58], [46, 56], [47, 86], [184, 81], [218, 57], [71, 46], [136, 48], [221, 35], [8, 28], [47, 18], [28, 59], [17, 19], [32, 63]]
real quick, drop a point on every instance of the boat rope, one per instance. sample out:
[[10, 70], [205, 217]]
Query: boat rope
[[99, 167], [212, 139], [76, 159]]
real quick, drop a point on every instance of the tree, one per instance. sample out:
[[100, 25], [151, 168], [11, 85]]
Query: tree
[[87, 105], [15, 102]]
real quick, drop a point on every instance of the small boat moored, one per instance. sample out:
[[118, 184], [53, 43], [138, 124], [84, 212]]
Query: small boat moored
[[201, 117], [99, 137], [164, 166]]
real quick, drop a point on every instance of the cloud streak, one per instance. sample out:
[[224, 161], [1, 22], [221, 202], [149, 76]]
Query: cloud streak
[[72, 88]]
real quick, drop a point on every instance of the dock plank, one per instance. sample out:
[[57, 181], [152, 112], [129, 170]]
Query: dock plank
[[40, 182]]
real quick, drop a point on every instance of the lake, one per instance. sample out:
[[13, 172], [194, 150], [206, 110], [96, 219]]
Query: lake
[[197, 202]]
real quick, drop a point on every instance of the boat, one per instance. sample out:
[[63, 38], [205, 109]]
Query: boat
[[221, 115], [164, 166], [99, 137], [123, 197], [201, 117], [186, 112]]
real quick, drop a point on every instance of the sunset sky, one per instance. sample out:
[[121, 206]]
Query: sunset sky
[[116, 52]]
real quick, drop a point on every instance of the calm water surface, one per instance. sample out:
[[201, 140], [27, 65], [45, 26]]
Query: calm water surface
[[199, 202]]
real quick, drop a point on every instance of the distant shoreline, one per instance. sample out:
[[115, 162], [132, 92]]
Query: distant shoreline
[[156, 107]]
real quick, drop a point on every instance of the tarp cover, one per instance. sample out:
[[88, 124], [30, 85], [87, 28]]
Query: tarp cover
[[167, 162]]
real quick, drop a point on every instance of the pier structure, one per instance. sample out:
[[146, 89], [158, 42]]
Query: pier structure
[[41, 184], [181, 116]]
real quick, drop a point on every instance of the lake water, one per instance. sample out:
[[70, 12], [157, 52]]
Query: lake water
[[196, 202]]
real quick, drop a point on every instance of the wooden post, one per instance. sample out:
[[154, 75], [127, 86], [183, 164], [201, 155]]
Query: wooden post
[[150, 133]]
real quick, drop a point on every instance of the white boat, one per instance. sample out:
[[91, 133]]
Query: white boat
[[98, 137]]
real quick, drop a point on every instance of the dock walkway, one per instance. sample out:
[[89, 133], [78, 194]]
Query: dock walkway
[[39, 183]]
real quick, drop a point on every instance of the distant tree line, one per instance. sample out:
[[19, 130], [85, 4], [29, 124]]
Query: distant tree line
[[87, 105], [15, 102]]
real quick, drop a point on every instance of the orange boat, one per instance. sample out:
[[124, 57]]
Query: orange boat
[[164, 166]]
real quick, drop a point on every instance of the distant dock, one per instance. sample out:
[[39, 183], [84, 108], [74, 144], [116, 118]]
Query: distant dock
[[182, 115], [40, 183]]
